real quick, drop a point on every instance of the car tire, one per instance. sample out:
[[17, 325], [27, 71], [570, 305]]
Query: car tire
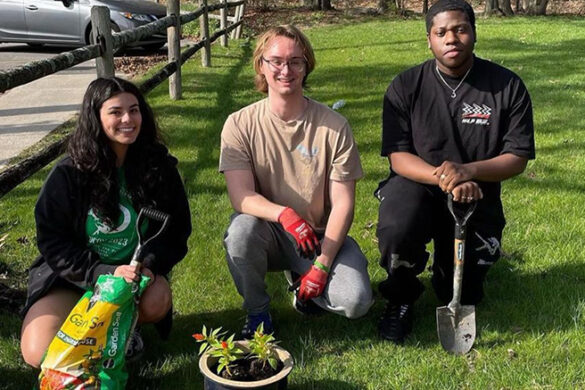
[[115, 29], [153, 46]]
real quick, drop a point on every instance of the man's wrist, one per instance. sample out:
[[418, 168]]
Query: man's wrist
[[285, 212], [321, 266]]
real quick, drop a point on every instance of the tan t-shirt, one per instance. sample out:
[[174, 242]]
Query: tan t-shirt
[[292, 162]]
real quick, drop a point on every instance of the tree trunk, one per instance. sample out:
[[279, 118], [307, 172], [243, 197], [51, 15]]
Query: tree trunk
[[425, 7], [400, 5], [536, 7], [519, 7], [382, 6], [507, 8], [542, 7], [493, 7], [323, 5], [489, 6]]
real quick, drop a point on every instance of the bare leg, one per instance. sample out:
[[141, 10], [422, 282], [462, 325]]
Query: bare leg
[[156, 301], [42, 321]]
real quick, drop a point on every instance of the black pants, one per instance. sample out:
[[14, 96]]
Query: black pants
[[410, 216]]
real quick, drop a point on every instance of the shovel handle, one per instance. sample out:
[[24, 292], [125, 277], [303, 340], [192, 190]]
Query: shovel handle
[[459, 250], [459, 260], [460, 215]]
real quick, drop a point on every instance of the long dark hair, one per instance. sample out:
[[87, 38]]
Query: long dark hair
[[146, 158]]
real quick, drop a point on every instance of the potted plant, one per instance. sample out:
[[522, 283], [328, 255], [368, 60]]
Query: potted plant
[[258, 363]]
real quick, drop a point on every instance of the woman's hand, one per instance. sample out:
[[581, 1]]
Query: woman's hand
[[131, 273]]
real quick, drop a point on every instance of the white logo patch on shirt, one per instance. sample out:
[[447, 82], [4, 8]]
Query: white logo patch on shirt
[[476, 114], [306, 153]]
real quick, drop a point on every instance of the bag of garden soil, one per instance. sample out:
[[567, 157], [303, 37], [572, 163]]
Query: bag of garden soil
[[88, 350]]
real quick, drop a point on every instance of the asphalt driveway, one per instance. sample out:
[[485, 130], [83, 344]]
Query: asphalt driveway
[[31, 111]]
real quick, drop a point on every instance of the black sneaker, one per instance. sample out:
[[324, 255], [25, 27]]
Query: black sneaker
[[308, 308], [135, 348], [252, 323], [396, 322]]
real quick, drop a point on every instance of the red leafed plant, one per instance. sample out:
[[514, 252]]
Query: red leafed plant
[[261, 350]]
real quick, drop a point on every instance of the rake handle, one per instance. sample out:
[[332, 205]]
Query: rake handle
[[155, 215]]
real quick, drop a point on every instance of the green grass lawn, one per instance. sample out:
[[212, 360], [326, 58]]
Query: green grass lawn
[[531, 326]]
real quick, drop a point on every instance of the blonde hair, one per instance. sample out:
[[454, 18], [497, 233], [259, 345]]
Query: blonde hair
[[288, 31]]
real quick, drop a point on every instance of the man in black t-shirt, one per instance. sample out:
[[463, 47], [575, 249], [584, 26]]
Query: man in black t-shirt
[[454, 124]]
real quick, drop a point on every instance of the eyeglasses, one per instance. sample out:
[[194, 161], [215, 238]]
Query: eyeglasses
[[296, 64]]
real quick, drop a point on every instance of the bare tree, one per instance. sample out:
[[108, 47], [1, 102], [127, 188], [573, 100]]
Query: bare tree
[[385, 5], [318, 4], [382, 6], [492, 7], [535, 7], [507, 7], [400, 5]]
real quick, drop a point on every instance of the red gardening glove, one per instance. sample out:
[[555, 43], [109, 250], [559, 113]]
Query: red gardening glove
[[312, 283], [300, 230]]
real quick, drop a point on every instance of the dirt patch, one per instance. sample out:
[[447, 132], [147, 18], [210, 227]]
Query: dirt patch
[[137, 65]]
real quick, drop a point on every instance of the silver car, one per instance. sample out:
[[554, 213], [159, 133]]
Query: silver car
[[68, 22]]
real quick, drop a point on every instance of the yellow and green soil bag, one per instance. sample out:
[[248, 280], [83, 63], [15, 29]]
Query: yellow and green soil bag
[[88, 350]]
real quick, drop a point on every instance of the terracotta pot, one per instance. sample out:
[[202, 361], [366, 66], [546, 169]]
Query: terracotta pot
[[212, 381]]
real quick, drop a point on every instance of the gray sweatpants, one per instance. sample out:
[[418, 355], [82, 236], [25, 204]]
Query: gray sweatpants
[[255, 247]]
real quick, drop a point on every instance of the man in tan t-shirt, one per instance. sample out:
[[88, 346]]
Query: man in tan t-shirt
[[291, 165]]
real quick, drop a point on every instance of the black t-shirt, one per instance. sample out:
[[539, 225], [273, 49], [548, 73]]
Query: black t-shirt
[[490, 115]]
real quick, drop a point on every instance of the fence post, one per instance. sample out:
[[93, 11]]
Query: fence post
[[204, 28], [102, 35], [236, 18], [223, 22], [174, 48], [240, 16]]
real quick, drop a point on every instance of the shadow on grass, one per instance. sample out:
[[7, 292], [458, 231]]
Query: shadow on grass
[[329, 384], [517, 305], [17, 378], [296, 334], [205, 140]]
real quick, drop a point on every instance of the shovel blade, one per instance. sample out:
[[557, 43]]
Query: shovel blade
[[456, 330]]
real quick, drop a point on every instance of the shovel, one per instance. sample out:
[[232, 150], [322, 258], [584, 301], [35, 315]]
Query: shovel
[[456, 323], [155, 215]]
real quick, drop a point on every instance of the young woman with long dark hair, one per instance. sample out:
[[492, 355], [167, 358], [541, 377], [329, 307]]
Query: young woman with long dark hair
[[87, 209]]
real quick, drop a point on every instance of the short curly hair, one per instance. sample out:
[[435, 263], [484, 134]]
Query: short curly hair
[[450, 5], [288, 31]]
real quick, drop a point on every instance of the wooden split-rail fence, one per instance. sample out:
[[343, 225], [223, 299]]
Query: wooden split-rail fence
[[103, 48]]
